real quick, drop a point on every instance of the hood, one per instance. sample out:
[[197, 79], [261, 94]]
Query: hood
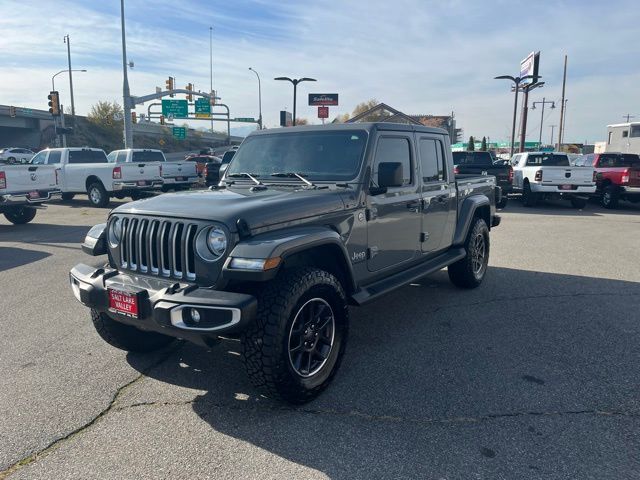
[[258, 209]]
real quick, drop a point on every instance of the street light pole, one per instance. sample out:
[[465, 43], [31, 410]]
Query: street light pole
[[526, 88], [67, 40], [551, 127], [543, 103], [516, 81], [126, 93], [259, 99], [295, 82], [53, 84], [211, 72]]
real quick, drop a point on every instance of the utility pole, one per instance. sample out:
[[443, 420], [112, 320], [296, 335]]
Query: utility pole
[[628, 117], [551, 140], [526, 88], [73, 107], [564, 82], [564, 119], [543, 102], [211, 72], [126, 94]]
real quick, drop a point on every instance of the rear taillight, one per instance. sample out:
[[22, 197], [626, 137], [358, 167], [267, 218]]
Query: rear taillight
[[117, 173], [205, 170], [595, 176], [3, 180], [538, 177], [625, 177], [510, 174], [456, 170]]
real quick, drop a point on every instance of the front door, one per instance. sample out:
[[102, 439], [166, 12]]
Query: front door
[[394, 217], [436, 194]]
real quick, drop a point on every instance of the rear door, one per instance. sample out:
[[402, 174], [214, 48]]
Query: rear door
[[395, 216], [436, 192]]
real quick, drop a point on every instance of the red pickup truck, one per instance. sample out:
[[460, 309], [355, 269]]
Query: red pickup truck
[[617, 176]]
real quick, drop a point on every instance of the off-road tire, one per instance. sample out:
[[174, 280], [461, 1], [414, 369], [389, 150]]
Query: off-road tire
[[68, 196], [610, 197], [529, 198], [463, 273], [577, 202], [126, 337], [265, 344], [98, 196], [20, 215]]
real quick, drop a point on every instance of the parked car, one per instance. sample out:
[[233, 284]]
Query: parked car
[[617, 176], [307, 221], [13, 155], [88, 170], [175, 175], [482, 163], [24, 188], [546, 175]]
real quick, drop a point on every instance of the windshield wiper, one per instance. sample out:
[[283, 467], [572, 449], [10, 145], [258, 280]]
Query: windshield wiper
[[294, 175], [247, 175]]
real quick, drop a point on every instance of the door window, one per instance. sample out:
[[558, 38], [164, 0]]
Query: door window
[[394, 149], [40, 158], [122, 157], [431, 160], [54, 157]]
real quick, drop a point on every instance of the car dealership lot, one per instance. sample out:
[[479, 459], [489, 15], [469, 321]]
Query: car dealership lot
[[534, 374]]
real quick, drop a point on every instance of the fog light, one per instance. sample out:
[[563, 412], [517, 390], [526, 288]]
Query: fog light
[[195, 315]]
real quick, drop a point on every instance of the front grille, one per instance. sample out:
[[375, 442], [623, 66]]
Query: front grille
[[158, 247]]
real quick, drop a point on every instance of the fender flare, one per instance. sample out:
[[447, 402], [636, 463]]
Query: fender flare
[[467, 211], [283, 244]]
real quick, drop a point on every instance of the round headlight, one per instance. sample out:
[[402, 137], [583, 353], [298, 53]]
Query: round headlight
[[115, 232], [216, 241]]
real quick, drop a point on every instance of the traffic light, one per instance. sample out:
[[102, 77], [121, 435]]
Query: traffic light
[[161, 119], [54, 103], [169, 84], [134, 118], [12, 111], [189, 95]]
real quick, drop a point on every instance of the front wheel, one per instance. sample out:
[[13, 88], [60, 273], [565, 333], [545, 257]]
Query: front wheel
[[294, 348], [20, 215], [470, 271], [126, 337], [98, 196]]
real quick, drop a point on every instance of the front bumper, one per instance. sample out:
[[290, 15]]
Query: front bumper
[[149, 185], [163, 305], [25, 197]]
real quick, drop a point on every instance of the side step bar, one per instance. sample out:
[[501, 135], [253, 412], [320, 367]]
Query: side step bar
[[388, 284]]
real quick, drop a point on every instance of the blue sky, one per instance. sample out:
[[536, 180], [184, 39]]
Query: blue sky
[[420, 56]]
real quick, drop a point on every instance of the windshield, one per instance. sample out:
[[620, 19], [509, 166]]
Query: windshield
[[330, 155], [548, 160], [472, 158], [619, 160], [148, 157]]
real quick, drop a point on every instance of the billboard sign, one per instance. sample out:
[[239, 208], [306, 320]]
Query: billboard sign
[[530, 66], [323, 112], [321, 99], [286, 119]]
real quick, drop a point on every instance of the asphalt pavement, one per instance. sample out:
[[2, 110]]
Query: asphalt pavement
[[533, 375]]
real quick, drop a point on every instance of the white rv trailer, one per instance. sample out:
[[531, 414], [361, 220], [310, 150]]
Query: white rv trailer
[[623, 137]]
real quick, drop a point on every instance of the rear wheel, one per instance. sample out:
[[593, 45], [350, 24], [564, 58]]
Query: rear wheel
[[68, 196], [136, 195], [610, 197], [470, 271], [126, 337], [503, 202], [578, 202], [11, 160], [529, 198], [294, 348], [20, 215], [98, 196]]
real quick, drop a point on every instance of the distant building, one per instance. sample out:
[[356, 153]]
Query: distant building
[[623, 137], [384, 113]]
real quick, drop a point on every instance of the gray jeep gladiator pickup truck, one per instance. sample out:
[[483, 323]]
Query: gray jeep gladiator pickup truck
[[306, 221]]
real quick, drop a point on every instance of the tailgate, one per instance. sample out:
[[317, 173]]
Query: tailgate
[[178, 169], [27, 178], [567, 175], [634, 177], [133, 172]]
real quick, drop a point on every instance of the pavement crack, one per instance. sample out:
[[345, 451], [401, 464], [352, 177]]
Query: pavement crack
[[55, 444]]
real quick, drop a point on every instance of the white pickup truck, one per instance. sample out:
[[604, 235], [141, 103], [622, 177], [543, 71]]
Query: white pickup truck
[[23, 188], [87, 170], [175, 175], [542, 175]]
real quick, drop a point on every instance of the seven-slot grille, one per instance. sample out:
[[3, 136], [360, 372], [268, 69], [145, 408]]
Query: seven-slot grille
[[158, 247]]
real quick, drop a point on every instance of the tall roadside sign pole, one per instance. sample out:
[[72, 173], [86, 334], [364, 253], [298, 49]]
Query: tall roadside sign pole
[[211, 70], [67, 40], [562, 106], [126, 93]]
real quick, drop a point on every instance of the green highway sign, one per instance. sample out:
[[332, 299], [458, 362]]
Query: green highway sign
[[175, 108], [202, 108], [245, 119], [180, 132]]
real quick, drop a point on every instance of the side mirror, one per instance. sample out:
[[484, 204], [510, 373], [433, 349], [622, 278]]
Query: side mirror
[[390, 174]]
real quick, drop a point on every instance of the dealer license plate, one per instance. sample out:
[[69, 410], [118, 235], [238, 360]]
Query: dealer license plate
[[180, 179], [565, 187], [142, 183], [34, 194], [124, 303]]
